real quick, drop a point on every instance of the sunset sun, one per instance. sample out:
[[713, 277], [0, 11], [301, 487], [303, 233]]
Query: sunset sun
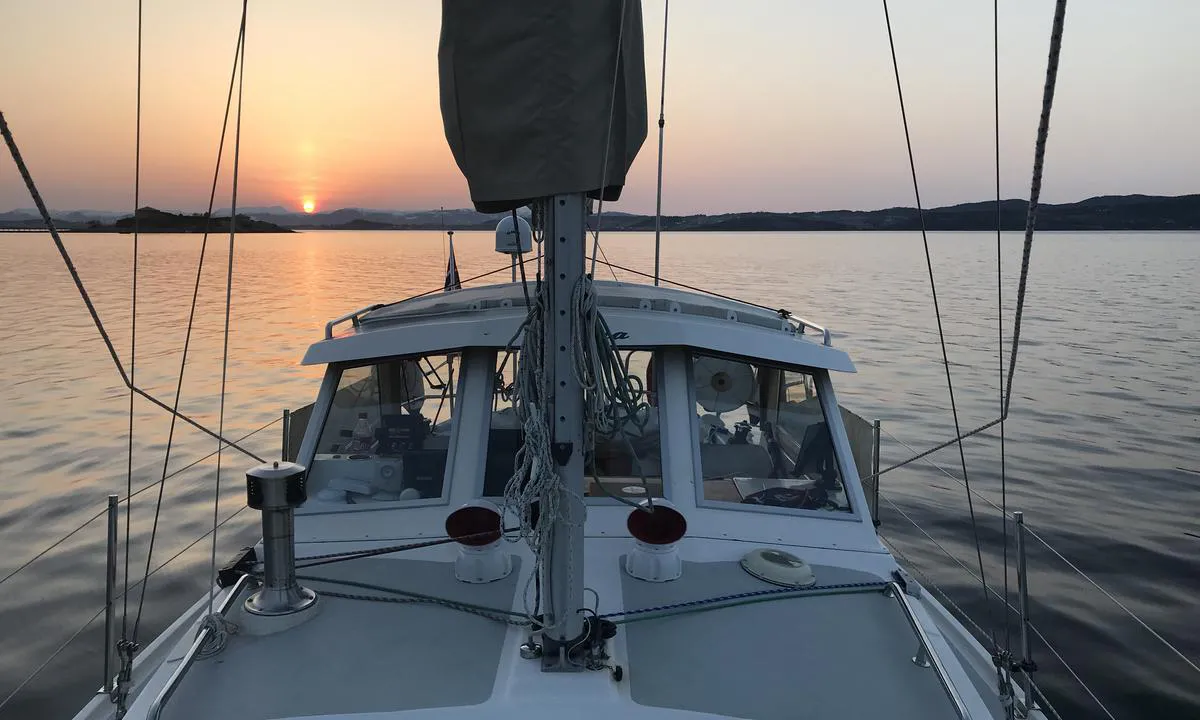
[[309, 205]]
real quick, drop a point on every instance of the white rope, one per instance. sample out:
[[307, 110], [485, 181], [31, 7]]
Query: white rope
[[535, 478], [613, 398], [219, 628], [614, 405], [614, 401]]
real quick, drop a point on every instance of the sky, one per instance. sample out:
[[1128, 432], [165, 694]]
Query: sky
[[779, 106]]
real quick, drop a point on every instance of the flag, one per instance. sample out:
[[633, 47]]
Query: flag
[[453, 282]]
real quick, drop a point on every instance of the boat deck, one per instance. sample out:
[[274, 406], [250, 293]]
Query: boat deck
[[843, 654], [356, 656]]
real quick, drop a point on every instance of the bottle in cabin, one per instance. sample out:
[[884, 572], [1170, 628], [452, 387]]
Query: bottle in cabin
[[363, 435]]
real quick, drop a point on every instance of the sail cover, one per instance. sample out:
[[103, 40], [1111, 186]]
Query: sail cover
[[526, 88]]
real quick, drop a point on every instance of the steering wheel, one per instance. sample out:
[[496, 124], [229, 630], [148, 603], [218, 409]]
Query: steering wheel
[[803, 499]]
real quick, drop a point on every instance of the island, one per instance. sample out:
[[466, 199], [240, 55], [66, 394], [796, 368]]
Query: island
[[150, 220]]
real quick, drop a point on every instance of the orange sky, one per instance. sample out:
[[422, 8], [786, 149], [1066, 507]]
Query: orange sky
[[769, 105]]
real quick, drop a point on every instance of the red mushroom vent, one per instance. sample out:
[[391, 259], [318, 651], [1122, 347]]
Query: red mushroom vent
[[474, 525], [657, 524]]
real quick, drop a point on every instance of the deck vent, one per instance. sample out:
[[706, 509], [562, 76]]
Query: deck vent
[[656, 529], [778, 568], [476, 527], [277, 489]]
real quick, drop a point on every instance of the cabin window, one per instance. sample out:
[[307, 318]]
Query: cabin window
[[625, 464], [387, 434], [763, 436]]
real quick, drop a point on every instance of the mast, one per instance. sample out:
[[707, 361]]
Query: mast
[[564, 564], [590, 122]]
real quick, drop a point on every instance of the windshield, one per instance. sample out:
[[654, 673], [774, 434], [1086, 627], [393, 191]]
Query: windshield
[[387, 433], [763, 436], [626, 463]]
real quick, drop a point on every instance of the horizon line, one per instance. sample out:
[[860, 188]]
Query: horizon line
[[35, 212]]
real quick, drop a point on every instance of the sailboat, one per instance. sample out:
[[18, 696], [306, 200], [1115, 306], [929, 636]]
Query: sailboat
[[561, 497]]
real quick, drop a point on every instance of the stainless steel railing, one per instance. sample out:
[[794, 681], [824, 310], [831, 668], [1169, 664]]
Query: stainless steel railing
[[164, 695], [926, 656], [351, 317]]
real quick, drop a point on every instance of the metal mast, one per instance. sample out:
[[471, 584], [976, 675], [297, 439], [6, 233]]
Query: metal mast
[[564, 248]]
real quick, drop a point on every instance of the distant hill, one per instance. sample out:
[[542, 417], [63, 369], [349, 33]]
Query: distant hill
[[1111, 212], [1124, 212], [151, 220]]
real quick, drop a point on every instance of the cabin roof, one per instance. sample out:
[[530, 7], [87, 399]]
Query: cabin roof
[[639, 315]]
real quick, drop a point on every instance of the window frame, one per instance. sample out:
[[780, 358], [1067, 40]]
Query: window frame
[[824, 389], [329, 388]]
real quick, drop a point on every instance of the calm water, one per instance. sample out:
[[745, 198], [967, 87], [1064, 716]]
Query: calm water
[[1105, 418]]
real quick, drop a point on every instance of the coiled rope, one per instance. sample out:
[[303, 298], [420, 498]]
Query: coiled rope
[[535, 482]]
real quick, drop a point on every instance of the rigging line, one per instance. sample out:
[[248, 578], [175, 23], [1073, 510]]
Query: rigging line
[[53, 545], [188, 335], [685, 286], [963, 616], [439, 290], [1044, 703], [1035, 187], [78, 632], [215, 436], [947, 553], [36, 196], [237, 147], [197, 541], [605, 262], [29, 678], [1039, 155], [194, 463], [612, 104], [1114, 600], [1000, 313], [137, 186], [912, 566], [1045, 543], [944, 471], [1008, 606], [940, 446], [963, 566], [662, 121], [104, 510], [937, 311], [1071, 670], [62, 250]]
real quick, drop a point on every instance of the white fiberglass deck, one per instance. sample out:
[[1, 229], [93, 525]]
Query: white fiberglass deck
[[813, 656]]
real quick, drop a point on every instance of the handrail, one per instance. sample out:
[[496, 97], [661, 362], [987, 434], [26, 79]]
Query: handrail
[[957, 611], [897, 592], [826, 337], [352, 317], [160, 701], [1008, 606]]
